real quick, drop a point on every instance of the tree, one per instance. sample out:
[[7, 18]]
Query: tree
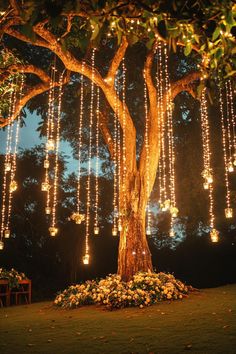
[[70, 29]]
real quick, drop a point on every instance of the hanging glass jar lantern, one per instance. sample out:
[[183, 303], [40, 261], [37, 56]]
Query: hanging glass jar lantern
[[53, 231], [47, 210], [7, 233], [45, 187], [228, 213], [46, 164], [214, 234], [114, 231], [7, 166], [230, 167], [96, 230], [148, 231], [172, 233], [206, 185], [86, 259], [1, 245], [174, 212], [13, 186], [50, 145]]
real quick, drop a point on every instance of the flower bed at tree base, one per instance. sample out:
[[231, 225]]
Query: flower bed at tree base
[[144, 289]]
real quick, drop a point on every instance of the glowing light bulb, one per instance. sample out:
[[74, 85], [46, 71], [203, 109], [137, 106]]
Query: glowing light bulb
[[7, 233], [114, 231], [214, 234], [209, 179], [119, 226], [228, 213], [174, 212], [45, 187], [143, 252], [96, 230], [7, 166], [172, 233], [13, 186], [230, 167], [148, 231], [53, 231], [46, 164], [133, 253], [48, 210], [50, 145], [86, 259], [1, 245], [205, 185]]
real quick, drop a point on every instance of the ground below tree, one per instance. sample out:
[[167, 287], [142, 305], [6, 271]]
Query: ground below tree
[[205, 322]]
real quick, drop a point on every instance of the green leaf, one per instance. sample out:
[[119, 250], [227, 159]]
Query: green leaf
[[188, 49], [150, 43], [219, 53], [216, 34], [27, 30], [132, 39]]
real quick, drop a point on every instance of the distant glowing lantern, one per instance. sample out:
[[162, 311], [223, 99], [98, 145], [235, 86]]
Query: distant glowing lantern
[[228, 213], [7, 166], [230, 167], [46, 164], [50, 145], [13, 186], [86, 259], [7, 233], [114, 231], [119, 226], [206, 185], [214, 234], [47, 210], [96, 230], [45, 187], [174, 212], [53, 231], [1, 245], [148, 231], [172, 233]]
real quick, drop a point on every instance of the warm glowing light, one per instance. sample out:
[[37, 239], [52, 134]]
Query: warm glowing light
[[1, 245], [214, 234], [53, 231], [7, 233], [7, 166], [230, 167], [86, 259], [172, 233], [45, 187], [133, 253], [206, 185], [46, 164], [114, 231], [96, 230], [48, 210], [13, 186], [77, 218], [228, 213], [148, 232], [50, 145]]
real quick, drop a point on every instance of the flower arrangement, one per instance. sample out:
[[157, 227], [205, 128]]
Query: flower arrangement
[[144, 289], [12, 276]]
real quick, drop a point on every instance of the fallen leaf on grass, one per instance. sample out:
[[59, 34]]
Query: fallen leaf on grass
[[226, 326], [188, 347]]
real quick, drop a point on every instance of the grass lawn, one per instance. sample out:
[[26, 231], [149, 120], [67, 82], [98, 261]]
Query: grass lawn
[[205, 322]]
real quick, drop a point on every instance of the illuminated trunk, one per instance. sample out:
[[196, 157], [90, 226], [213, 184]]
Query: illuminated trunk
[[134, 254]]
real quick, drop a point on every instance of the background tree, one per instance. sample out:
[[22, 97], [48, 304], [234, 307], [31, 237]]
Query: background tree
[[70, 29]]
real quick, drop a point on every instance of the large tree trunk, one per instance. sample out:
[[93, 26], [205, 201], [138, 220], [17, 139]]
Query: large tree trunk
[[134, 254]]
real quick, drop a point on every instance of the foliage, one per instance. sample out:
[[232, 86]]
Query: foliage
[[144, 289], [13, 276]]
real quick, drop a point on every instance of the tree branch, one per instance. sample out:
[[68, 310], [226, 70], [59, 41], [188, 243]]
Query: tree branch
[[106, 133], [119, 55]]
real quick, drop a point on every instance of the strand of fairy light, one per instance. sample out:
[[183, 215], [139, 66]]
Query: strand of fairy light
[[232, 118], [207, 173], [88, 202], [13, 183], [162, 128], [170, 136], [7, 168], [146, 141], [53, 229], [118, 156], [81, 116], [115, 168], [229, 128], [124, 168], [228, 210], [96, 227]]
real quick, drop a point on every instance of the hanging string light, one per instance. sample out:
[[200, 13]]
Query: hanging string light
[[13, 184], [146, 141], [124, 170], [229, 93], [228, 209], [115, 167], [229, 129], [118, 157], [96, 227], [170, 136], [86, 257], [207, 173], [9, 183], [53, 229]]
